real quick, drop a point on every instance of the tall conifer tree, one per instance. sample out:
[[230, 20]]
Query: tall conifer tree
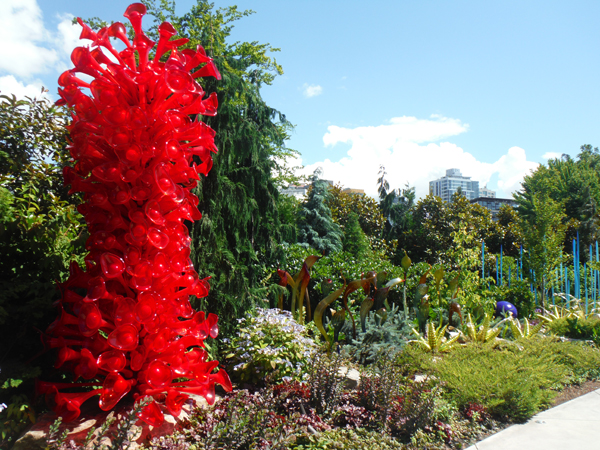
[[316, 228]]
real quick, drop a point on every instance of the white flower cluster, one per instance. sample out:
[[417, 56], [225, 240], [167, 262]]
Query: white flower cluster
[[295, 346]]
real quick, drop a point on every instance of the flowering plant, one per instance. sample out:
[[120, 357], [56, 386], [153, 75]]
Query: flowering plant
[[270, 344]]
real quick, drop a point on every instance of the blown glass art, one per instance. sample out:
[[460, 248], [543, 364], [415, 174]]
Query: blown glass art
[[126, 322]]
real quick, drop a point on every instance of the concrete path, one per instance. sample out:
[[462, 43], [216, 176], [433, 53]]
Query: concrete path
[[574, 425]]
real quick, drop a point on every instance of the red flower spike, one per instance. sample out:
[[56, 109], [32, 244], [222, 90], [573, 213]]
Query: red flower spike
[[134, 146]]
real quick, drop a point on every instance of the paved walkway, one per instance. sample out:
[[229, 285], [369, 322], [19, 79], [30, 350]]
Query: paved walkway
[[574, 425]]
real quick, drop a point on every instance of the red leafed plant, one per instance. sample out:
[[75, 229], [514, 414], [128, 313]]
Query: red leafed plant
[[126, 319]]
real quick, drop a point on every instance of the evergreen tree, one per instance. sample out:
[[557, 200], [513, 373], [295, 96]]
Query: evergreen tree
[[316, 227], [355, 242], [236, 240]]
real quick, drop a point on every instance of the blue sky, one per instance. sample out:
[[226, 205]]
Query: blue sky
[[492, 88]]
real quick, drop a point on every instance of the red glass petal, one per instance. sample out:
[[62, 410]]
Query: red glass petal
[[124, 337], [114, 389]]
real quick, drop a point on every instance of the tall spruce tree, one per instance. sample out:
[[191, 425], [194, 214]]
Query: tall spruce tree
[[316, 228], [235, 241]]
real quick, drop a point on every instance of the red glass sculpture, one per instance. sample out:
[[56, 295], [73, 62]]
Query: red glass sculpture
[[126, 321]]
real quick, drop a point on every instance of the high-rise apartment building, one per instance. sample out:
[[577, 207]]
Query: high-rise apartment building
[[484, 192], [446, 186]]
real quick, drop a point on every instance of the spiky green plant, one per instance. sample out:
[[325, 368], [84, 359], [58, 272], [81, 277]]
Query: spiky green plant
[[436, 340], [484, 333], [526, 331]]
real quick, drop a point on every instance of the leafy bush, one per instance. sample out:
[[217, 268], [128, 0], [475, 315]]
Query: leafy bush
[[576, 328], [512, 384], [40, 228], [269, 344], [519, 294], [348, 439], [239, 421], [581, 359], [325, 383], [419, 406], [380, 386]]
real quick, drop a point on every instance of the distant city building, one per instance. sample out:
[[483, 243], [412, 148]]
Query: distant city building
[[494, 204], [446, 186], [354, 191], [298, 191], [487, 193]]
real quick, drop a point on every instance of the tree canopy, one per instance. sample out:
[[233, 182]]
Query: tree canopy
[[316, 227]]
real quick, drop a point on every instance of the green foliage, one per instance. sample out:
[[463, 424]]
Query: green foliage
[[519, 294], [288, 207], [370, 217], [354, 240], [576, 327], [270, 344], [40, 230], [483, 334], [316, 227], [420, 406], [348, 439], [435, 339], [435, 221], [512, 384], [325, 384], [397, 207], [525, 331], [574, 183], [17, 416], [380, 386], [543, 228], [241, 420], [386, 331]]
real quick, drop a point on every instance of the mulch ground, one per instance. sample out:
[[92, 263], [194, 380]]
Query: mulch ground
[[571, 392]]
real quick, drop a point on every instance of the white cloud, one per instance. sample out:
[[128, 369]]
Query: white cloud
[[409, 149], [10, 85], [29, 49], [551, 155], [311, 90]]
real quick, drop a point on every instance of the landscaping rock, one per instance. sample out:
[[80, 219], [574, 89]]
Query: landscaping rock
[[352, 377]]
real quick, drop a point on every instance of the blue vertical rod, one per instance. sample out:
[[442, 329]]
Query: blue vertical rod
[[501, 272], [482, 259], [496, 270], [586, 290], [521, 262]]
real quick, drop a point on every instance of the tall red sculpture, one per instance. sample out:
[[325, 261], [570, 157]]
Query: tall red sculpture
[[125, 321]]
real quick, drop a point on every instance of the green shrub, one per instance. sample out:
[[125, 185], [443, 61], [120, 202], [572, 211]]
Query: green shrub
[[270, 343], [576, 328], [581, 359], [348, 439], [512, 384], [519, 294]]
